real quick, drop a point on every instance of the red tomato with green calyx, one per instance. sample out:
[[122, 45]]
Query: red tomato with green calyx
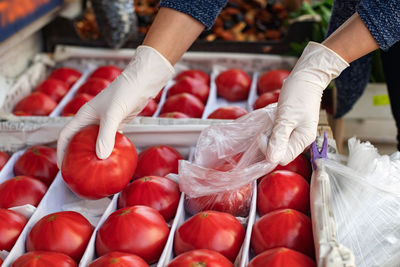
[[283, 228], [228, 113], [283, 190], [266, 99], [195, 74], [271, 80], [35, 104], [11, 226], [300, 165], [157, 161], [149, 109], [39, 162], [174, 115], [67, 75], [93, 86], [279, 257], [4, 157], [21, 190], [157, 192], [233, 85], [199, 258], [212, 230], [44, 259], [66, 232], [120, 259], [139, 230], [191, 86], [185, 103], [93, 178], [106, 72], [73, 106], [54, 88]]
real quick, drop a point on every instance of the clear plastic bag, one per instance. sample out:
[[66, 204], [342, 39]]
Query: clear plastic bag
[[228, 158], [365, 203]]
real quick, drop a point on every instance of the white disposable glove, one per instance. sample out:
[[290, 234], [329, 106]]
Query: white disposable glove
[[122, 100], [297, 114]]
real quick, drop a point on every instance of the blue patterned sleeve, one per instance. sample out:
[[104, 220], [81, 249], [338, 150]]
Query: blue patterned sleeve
[[382, 18], [205, 11]]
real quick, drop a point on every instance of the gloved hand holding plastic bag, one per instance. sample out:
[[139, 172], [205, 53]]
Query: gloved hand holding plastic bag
[[365, 204], [228, 157]]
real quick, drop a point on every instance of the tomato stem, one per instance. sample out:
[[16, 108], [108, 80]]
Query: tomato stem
[[35, 151], [114, 260], [124, 212], [51, 218], [204, 215], [199, 264]]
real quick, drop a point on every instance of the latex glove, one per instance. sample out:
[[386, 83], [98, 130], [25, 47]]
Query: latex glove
[[297, 116], [122, 100]]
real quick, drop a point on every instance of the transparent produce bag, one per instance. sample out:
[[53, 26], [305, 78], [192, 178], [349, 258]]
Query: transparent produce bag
[[365, 203], [227, 159]]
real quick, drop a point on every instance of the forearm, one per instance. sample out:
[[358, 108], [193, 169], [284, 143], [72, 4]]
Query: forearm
[[352, 40], [172, 33]]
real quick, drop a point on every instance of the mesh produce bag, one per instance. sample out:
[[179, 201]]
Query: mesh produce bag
[[228, 158], [365, 203]]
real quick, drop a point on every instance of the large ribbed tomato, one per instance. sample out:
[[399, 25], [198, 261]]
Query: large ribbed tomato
[[93, 86], [149, 109], [73, 106], [66, 232], [185, 103], [300, 165], [68, 75], [200, 258], [21, 190], [266, 99], [108, 72], [157, 192], [228, 113], [191, 86], [94, 178], [139, 230], [119, 259], [271, 80], [283, 228], [11, 226], [158, 161], [233, 84], [54, 88], [36, 104], [44, 259], [39, 162], [4, 157], [196, 74], [174, 115], [280, 257], [283, 190], [218, 231]]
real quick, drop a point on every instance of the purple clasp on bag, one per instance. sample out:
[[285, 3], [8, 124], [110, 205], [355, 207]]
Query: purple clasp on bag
[[316, 154]]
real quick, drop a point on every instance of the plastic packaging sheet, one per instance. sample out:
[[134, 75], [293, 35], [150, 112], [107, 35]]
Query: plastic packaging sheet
[[228, 158], [365, 203]]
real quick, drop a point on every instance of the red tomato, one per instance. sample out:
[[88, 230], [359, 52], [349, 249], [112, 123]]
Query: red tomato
[[44, 259], [22, 113], [158, 97], [279, 257], [93, 178], [37, 104], [93, 86], [196, 74], [4, 157], [157, 192], [175, 115], [200, 257], [212, 230], [157, 161], [66, 232], [11, 226], [271, 80], [106, 72], [191, 86], [283, 190], [149, 109], [185, 103], [72, 107], [300, 165], [114, 259], [283, 228], [233, 85], [139, 230], [39, 162], [54, 88], [67, 75], [266, 99], [1, 261], [21, 190], [228, 113]]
